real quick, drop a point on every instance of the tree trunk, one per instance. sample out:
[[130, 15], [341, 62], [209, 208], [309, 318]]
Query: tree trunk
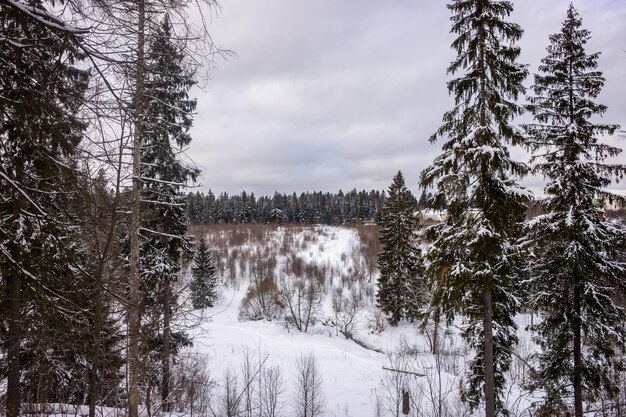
[[166, 349], [149, 397], [14, 338], [95, 358], [133, 278], [435, 345], [96, 353], [490, 387], [578, 359]]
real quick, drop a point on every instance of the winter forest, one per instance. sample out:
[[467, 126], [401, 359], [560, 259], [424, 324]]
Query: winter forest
[[127, 292]]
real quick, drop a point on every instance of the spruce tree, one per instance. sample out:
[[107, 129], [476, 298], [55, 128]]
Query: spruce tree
[[423, 201], [473, 256], [41, 94], [204, 277], [576, 270], [401, 289], [166, 123]]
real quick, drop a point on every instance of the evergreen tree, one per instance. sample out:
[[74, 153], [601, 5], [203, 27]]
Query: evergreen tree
[[98, 345], [204, 277], [576, 270], [423, 201], [307, 208], [167, 120], [41, 93], [473, 256], [401, 289], [209, 212]]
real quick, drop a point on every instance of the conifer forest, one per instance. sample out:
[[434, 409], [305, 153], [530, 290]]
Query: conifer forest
[[488, 281]]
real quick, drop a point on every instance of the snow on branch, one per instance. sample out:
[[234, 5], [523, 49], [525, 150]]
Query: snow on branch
[[18, 267], [161, 233], [19, 190], [163, 203], [44, 17], [149, 179]]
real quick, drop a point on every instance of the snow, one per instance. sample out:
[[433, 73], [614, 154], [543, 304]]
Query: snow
[[355, 382], [349, 371], [436, 215], [44, 17], [352, 372]]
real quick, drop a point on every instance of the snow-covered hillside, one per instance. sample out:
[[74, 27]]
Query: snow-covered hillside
[[355, 382]]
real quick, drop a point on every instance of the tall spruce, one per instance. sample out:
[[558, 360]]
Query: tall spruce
[[473, 256], [41, 93], [401, 287], [204, 277], [166, 123], [576, 268]]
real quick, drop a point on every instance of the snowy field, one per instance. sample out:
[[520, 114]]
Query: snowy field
[[354, 381], [350, 372]]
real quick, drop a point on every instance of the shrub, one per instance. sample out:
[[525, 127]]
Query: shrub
[[262, 301]]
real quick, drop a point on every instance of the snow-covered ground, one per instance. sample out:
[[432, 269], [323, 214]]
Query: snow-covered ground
[[359, 374], [354, 381], [351, 373]]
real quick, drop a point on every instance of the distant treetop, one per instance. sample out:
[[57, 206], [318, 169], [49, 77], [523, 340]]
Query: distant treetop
[[307, 208]]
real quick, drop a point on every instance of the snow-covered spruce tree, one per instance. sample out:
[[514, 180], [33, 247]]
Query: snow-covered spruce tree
[[401, 286], [166, 122], [204, 276], [473, 256], [68, 358], [41, 92], [576, 269]]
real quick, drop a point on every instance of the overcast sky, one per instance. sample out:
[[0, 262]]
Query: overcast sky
[[339, 94]]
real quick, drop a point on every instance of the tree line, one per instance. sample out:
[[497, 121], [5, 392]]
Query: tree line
[[305, 208]]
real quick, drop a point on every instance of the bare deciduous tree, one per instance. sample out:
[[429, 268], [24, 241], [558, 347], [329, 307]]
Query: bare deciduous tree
[[309, 398], [302, 298], [262, 300], [346, 311], [393, 385], [272, 389], [191, 385]]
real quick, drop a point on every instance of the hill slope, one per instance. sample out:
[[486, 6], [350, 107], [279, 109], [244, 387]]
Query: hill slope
[[354, 381]]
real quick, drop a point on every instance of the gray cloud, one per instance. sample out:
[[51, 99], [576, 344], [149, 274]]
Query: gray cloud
[[333, 94]]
